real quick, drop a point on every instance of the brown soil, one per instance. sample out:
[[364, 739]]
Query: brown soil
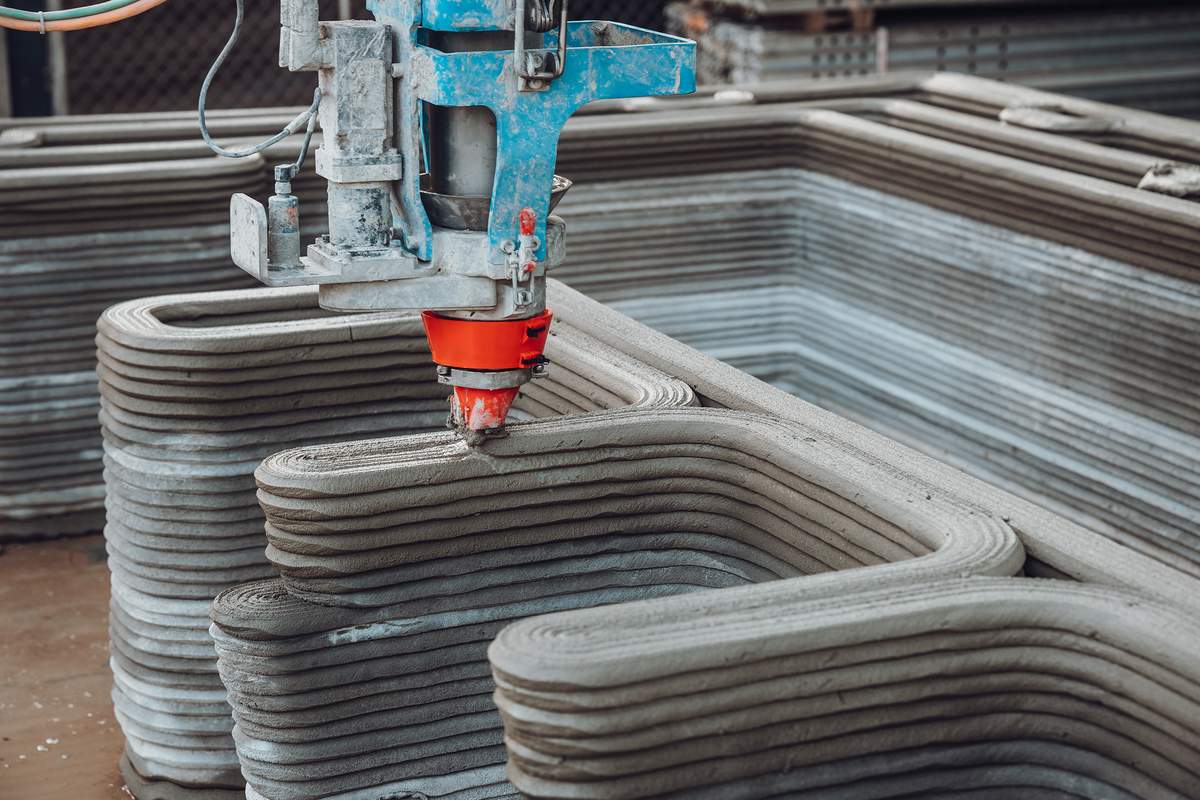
[[58, 737]]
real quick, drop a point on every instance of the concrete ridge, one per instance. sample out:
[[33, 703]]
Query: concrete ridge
[[593, 700]]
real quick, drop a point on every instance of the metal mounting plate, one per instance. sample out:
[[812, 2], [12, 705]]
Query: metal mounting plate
[[248, 235]]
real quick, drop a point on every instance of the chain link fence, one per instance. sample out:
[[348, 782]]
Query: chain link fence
[[156, 62]]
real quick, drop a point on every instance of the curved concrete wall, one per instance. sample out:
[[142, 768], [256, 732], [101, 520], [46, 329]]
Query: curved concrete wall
[[401, 558], [969, 308], [837, 686], [840, 688]]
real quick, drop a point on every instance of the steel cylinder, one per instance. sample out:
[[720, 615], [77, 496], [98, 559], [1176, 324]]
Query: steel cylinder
[[360, 215], [283, 227], [462, 141]]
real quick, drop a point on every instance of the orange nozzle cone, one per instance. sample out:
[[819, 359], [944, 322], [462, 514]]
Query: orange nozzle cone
[[482, 409], [486, 346]]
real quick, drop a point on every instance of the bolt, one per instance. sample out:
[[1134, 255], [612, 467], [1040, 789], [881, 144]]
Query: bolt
[[443, 371]]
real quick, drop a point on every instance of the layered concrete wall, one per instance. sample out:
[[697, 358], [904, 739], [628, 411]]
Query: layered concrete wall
[[197, 390], [832, 689], [971, 304], [838, 685]]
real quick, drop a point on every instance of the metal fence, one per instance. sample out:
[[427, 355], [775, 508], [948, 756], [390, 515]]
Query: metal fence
[[155, 62]]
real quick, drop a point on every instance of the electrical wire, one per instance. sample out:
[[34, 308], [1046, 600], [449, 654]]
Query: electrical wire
[[308, 134], [307, 117], [73, 19]]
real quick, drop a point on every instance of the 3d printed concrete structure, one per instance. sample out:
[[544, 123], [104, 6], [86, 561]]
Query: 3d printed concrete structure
[[197, 390], [1001, 278], [847, 685], [401, 558], [1016, 307], [812, 688]]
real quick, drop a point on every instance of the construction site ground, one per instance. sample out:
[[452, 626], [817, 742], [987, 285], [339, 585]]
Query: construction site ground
[[58, 737]]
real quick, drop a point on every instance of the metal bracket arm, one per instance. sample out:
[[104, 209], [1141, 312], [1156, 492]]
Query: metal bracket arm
[[606, 61]]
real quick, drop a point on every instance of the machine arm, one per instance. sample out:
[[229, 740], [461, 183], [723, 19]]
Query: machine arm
[[440, 122]]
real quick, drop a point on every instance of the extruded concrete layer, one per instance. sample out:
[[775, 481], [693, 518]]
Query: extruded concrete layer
[[838, 688], [418, 550], [1055, 372], [149, 126], [196, 391]]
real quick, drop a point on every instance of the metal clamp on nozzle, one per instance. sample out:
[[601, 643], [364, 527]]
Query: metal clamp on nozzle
[[491, 381], [487, 362]]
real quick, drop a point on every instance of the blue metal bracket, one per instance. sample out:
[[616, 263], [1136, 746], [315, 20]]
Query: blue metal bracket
[[467, 15], [605, 61]]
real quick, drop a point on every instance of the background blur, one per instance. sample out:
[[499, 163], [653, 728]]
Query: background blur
[[1139, 53], [155, 62]]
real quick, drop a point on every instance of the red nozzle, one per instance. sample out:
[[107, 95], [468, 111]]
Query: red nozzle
[[486, 346], [482, 409]]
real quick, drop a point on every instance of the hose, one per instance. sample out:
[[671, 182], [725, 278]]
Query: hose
[[307, 119], [74, 19]]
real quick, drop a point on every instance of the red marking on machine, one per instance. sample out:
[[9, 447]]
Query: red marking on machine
[[528, 221]]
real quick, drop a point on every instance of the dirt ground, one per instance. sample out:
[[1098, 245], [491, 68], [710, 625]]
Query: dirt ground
[[58, 737]]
